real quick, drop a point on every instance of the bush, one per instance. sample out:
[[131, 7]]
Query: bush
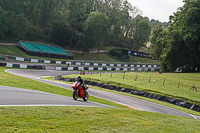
[[115, 53]]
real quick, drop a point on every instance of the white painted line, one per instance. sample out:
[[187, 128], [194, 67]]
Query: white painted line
[[193, 116], [39, 105]]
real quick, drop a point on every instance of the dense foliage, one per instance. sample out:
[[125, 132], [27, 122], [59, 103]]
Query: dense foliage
[[178, 46], [80, 24]]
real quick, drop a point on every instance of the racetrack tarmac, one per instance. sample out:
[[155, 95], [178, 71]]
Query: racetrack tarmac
[[117, 98], [12, 96]]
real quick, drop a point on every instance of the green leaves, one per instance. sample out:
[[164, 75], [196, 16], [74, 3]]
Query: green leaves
[[96, 28], [85, 23], [3, 23], [181, 40]]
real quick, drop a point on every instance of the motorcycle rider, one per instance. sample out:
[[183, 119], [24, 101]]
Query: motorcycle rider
[[79, 79]]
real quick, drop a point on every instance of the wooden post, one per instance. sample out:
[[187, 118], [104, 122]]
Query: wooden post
[[136, 78], [111, 75], [164, 82], [193, 88], [150, 79], [124, 75], [178, 84]]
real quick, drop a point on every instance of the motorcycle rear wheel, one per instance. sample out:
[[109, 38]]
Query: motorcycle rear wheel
[[75, 95]]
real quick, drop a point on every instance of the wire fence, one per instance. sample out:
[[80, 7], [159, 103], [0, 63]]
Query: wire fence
[[153, 78]]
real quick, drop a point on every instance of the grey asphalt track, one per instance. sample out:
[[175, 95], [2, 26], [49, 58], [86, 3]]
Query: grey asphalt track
[[117, 98], [12, 96]]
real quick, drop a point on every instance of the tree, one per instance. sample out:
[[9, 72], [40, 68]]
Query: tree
[[142, 31], [3, 23], [39, 18], [18, 27], [182, 39], [156, 40], [60, 34], [79, 9], [96, 29]]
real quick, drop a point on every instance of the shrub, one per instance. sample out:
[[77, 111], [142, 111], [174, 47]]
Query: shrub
[[115, 53]]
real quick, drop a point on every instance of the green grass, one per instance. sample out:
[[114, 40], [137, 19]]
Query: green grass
[[83, 119], [15, 51], [170, 87], [11, 50], [140, 97], [107, 57], [92, 120]]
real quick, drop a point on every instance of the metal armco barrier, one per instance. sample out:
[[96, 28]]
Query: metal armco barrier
[[38, 67], [81, 63], [138, 69]]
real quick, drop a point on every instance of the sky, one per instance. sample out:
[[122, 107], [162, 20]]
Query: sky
[[157, 9]]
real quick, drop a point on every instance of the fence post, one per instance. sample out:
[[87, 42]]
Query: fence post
[[178, 84], [164, 82], [124, 75], [150, 79], [193, 88], [136, 78]]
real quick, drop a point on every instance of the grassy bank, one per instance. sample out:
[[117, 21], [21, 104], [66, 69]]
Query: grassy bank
[[174, 85], [92, 120], [107, 57], [11, 50], [15, 51], [83, 119]]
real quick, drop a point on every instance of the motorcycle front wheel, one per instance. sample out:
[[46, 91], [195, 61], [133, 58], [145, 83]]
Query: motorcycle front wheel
[[75, 95]]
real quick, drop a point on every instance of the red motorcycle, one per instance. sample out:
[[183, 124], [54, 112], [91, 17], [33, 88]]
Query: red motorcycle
[[79, 91]]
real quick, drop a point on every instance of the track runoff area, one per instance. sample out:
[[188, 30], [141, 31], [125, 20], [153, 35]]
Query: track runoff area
[[43, 98]]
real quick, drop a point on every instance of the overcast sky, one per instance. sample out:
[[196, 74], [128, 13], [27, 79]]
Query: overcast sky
[[157, 9]]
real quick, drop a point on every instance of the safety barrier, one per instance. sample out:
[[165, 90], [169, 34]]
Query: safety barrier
[[137, 69], [83, 63], [23, 66], [139, 93]]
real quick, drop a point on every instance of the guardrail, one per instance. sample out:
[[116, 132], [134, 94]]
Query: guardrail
[[136, 69], [23, 66], [81, 63]]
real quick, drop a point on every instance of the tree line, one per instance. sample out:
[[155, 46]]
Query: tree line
[[80, 24], [178, 45], [86, 24]]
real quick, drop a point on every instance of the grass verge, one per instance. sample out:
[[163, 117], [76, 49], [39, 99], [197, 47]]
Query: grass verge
[[140, 97], [176, 85], [92, 120], [11, 50], [83, 119], [15, 51], [107, 57]]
